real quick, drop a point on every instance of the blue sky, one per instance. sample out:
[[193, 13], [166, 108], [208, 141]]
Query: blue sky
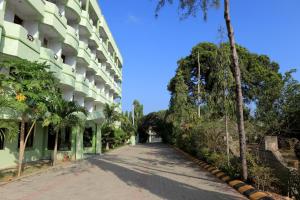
[[151, 47]]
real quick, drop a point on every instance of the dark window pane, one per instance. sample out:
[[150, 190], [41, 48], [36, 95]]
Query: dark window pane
[[63, 57], [65, 140], [18, 20], [45, 43], [51, 138], [2, 132], [88, 137], [29, 143]]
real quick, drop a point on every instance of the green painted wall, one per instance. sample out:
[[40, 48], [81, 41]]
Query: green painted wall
[[9, 156]]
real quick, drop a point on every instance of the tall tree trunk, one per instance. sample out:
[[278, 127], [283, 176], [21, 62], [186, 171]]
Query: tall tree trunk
[[55, 149], [21, 146], [239, 95], [227, 140], [199, 85]]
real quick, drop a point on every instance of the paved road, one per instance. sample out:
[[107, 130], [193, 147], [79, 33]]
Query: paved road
[[143, 172]]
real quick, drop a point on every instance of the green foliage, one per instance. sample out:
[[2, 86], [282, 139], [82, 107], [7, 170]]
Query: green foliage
[[29, 84], [127, 126], [26, 88], [138, 112], [111, 134], [10, 127], [62, 114], [111, 114], [190, 8]]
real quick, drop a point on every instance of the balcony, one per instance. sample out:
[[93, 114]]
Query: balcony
[[55, 63], [100, 98], [114, 67], [73, 11], [95, 39], [94, 66], [17, 43], [94, 91], [96, 115], [67, 77], [90, 92], [71, 40], [32, 8], [102, 52], [81, 85], [102, 75], [85, 25], [54, 24], [84, 54], [117, 89]]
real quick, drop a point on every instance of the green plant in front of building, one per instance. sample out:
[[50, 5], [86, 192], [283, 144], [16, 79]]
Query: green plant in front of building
[[62, 114], [29, 88], [109, 127]]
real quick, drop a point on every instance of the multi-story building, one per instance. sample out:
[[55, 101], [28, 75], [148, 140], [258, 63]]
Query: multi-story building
[[73, 37]]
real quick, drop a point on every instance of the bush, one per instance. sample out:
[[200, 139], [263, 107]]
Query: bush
[[297, 150], [203, 153]]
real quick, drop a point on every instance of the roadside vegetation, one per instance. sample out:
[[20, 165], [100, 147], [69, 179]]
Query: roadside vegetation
[[270, 108], [120, 128], [225, 98]]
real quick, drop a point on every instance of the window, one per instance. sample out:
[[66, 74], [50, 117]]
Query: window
[[63, 57], [29, 143], [45, 43], [51, 138], [2, 132], [88, 137], [18, 20], [64, 139]]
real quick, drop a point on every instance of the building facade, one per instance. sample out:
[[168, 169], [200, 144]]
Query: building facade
[[73, 38]]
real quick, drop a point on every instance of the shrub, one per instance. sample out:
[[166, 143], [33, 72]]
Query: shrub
[[297, 150]]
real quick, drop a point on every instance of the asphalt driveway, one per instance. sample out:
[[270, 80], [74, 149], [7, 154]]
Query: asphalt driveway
[[147, 172]]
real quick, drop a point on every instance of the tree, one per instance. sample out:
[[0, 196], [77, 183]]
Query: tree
[[110, 113], [138, 110], [127, 126], [108, 129], [63, 114], [181, 113], [191, 8], [32, 86]]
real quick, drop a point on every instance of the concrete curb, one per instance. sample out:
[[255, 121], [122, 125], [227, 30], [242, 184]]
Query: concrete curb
[[243, 188]]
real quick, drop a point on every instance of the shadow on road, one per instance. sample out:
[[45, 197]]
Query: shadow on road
[[142, 176]]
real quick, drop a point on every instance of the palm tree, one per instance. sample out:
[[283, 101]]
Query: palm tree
[[110, 113], [190, 8], [63, 114], [111, 116]]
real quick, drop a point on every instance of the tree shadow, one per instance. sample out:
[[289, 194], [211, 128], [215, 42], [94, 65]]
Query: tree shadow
[[161, 186]]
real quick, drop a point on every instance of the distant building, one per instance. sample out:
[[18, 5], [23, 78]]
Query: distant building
[[153, 137]]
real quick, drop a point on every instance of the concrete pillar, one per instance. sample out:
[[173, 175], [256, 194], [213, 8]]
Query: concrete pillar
[[98, 26], [98, 139], [87, 5], [77, 143], [3, 5], [132, 140]]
